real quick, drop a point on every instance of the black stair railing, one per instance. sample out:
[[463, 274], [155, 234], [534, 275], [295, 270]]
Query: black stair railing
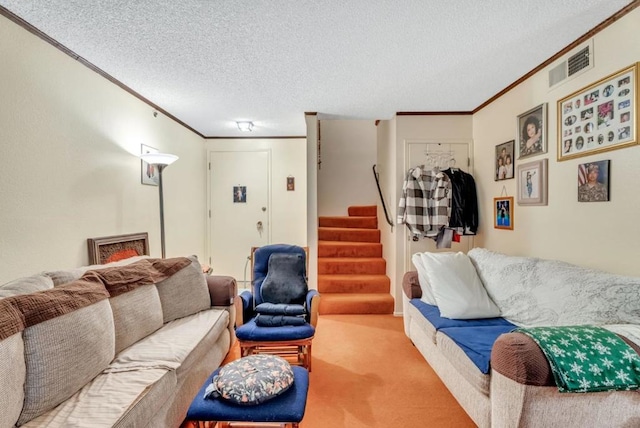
[[384, 206]]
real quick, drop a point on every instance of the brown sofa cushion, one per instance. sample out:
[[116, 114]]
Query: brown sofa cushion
[[411, 285], [518, 357]]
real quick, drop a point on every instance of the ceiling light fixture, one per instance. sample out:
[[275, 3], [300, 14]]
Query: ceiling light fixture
[[245, 126]]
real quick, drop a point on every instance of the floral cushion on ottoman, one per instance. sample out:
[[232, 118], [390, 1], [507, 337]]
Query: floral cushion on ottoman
[[251, 380]]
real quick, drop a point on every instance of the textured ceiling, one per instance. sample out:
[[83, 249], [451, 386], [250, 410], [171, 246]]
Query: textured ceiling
[[211, 63]]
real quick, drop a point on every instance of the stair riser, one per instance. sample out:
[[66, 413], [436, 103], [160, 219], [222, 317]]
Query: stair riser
[[328, 307], [363, 211], [353, 222], [373, 250], [372, 235], [381, 285], [329, 267]]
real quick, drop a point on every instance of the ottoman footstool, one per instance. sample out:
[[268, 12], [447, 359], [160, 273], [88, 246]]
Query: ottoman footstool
[[287, 408]]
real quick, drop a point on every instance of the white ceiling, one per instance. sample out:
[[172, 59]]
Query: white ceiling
[[211, 63]]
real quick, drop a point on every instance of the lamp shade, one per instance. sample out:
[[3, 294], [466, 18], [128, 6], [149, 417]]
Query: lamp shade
[[159, 158]]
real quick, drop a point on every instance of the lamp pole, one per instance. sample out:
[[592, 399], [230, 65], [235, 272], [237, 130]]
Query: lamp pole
[[160, 161]]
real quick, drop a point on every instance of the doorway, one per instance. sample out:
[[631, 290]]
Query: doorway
[[239, 210], [444, 154]]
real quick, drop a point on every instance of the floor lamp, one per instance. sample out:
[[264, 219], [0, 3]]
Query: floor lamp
[[160, 161]]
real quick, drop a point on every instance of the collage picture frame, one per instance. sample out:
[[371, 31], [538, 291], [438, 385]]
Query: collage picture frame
[[600, 117]]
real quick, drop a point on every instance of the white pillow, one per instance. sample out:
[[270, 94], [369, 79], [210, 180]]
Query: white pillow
[[456, 286], [427, 294]]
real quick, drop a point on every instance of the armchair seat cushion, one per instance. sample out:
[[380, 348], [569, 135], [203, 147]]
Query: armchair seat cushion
[[255, 333]]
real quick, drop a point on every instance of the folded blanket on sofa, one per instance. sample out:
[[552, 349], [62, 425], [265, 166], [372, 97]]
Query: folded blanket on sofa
[[587, 358], [278, 320]]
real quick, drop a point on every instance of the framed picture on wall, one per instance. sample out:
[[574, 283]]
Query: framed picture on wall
[[600, 117], [532, 183], [503, 212], [593, 181], [504, 160], [532, 132]]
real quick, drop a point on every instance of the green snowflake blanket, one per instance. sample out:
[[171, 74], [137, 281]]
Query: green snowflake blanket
[[587, 358]]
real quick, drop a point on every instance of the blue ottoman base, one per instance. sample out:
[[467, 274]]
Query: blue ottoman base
[[286, 408]]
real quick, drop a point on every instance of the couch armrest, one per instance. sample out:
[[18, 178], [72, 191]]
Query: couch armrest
[[313, 303], [222, 289], [411, 285]]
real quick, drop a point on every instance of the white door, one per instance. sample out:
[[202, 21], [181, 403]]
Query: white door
[[239, 204], [446, 155]]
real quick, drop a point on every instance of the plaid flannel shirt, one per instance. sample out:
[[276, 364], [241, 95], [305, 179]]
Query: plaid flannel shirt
[[425, 205]]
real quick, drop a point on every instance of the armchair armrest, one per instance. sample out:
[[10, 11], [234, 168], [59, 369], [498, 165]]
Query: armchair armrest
[[313, 303], [244, 308]]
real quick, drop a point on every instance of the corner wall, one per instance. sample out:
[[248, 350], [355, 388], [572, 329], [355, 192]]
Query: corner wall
[[601, 235], [69, 146]]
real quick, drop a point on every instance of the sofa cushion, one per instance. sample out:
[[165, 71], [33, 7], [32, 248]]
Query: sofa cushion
[[64, 353], [26, 285], [108, 400], [432, 314], [427, 293], [465, 369], [537, 292], [458, 291], [136, 315], [252, 380], [168, 347], [60, 277], [12, 378], [184, 293], [476, 342]]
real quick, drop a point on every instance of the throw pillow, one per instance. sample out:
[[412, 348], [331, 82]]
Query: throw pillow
[[457, 288], [285, 281], [251, 380], [427, 293]]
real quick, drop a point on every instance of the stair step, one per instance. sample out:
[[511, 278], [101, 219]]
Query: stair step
[[359, 303], [348, 234], [353, 284], [349, 222], [349, 249], [352, 265], [363, 210]]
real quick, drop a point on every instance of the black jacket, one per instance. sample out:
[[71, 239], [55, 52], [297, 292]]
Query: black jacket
[[464, 202]]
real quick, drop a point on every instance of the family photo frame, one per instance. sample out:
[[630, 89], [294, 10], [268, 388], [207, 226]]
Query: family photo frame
[[532, 132], [505, 160], [600, 117], [503, 212], [532, 182]]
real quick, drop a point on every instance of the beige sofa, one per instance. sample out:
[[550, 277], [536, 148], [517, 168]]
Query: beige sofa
[[121, 345], [519, 390]]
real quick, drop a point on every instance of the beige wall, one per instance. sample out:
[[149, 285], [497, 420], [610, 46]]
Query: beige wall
[[69, 141], [348, 152], [602, 235]]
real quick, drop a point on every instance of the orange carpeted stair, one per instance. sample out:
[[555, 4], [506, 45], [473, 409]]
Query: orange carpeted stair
[[351, 271]]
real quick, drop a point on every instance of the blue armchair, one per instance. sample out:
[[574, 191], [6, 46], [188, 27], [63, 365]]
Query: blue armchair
[[280, 314]]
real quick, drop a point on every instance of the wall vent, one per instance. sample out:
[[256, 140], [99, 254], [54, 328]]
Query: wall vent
[[575, 63]]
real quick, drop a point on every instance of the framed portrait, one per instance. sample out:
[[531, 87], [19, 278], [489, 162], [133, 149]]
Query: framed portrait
[[503, 212], [504, 161], [291, 184], [109, 249], [532, 183], [239, 194], [593, 181], [149, 173], [532, 132], [600, 117]]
